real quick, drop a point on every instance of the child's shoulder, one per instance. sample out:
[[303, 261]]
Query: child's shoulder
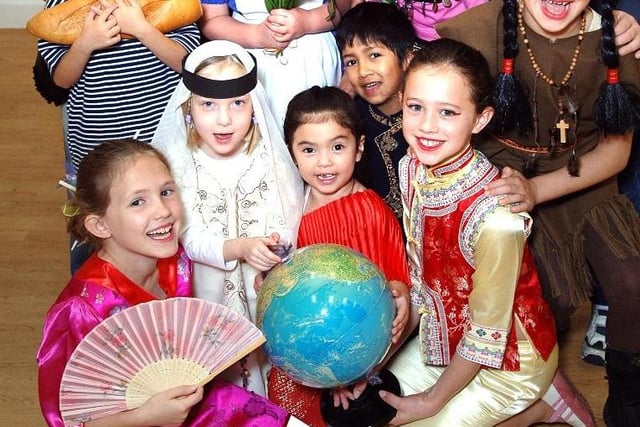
[[473, 25], [374, 205]]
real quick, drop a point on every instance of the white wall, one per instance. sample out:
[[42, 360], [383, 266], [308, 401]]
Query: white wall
[[16, 13]]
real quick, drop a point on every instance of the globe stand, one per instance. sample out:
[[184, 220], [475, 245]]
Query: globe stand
[[368, 410]]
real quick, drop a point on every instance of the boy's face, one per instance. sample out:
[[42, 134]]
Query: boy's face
[[375, 73]]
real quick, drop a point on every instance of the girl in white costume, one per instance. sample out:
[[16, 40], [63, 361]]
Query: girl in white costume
[[237, 181], [295, 48]]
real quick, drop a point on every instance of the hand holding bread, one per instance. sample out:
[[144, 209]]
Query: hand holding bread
[[62, 23]]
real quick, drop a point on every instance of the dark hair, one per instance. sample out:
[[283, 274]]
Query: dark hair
[[465, 60], [512, 108], [318, 105], [377, 22], [616, 110], [96, 173]]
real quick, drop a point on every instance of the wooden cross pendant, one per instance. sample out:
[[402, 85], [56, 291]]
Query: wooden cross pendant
[[563, 127]]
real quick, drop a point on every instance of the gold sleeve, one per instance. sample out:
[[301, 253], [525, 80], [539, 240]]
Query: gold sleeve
[[498, 251]]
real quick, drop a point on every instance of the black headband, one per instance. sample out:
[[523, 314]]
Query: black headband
[[221, 89]]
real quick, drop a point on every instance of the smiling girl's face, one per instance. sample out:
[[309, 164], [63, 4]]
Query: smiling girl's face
[[554, 19], [438, 113], [326, 154]]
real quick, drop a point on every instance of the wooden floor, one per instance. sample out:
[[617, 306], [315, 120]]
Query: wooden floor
[[33, 251]]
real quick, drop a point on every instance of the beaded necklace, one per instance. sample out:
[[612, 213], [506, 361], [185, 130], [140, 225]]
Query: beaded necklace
[[532, 58], [565, 99]]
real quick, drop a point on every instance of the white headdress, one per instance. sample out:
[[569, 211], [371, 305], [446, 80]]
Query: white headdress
[[171, 134]]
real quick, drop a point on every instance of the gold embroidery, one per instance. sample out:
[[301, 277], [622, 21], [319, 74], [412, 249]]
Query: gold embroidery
[[386, 144]]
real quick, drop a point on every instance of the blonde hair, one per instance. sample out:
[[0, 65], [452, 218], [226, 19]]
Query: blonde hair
[[213, 66]]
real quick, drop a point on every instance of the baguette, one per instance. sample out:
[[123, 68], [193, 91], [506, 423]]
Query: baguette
[[62, 23]]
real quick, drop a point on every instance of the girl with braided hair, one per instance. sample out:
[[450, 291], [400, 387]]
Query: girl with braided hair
[[570, 139]]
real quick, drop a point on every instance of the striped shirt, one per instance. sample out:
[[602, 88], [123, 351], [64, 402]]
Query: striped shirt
[[122, 92]]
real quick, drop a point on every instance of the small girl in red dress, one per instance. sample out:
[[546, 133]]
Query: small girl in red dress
[[326, 140]]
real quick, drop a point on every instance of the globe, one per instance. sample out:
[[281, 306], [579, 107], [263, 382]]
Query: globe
[[326, 313]]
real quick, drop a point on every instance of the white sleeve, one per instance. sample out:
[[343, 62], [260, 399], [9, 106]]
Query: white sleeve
[[200, 243]]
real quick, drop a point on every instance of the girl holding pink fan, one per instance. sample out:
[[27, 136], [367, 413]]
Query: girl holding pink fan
[[127, 206]]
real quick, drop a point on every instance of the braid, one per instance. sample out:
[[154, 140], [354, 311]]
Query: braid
[[510, 100], [617, 108]]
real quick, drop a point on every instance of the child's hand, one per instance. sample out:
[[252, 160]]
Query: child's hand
[[256, 252], [627, 32], [99, 30], [266, 38], [286, 24], [258, 282], [342, 395], [411, 408], [400, 294], [130, 17], [170, 407], [518, 190]]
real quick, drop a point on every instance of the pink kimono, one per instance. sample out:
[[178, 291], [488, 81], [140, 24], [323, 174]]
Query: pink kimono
[[99, 290]]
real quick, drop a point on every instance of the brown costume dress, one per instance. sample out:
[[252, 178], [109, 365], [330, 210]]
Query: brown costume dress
[[558, 238]]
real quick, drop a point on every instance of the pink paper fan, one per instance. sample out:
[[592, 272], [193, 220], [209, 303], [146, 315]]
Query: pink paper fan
[[149, 348]]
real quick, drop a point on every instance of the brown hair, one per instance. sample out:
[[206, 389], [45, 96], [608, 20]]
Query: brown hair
[[95, 177], [465, 60]]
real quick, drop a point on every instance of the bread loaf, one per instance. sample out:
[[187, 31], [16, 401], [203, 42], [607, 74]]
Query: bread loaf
[[62, 23]]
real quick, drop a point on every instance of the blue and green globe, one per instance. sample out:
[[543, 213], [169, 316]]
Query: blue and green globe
[[327, 314]]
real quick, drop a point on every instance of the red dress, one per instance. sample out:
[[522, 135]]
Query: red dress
[[361, 221]]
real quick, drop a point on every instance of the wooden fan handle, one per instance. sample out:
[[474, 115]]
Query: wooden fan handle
[[62, 23]]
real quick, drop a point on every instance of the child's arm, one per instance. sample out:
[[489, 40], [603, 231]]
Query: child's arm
[[607, 159], [131, 20], [428, 403], [216, 24], [169, 407], [207, 247], [99, 30], [65, 325], [204, 247], [289, 24]]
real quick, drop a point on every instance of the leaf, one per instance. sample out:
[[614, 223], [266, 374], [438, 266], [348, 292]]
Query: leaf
[[280, 4]]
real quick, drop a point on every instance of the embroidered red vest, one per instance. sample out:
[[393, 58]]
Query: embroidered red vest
[[444, 230]]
